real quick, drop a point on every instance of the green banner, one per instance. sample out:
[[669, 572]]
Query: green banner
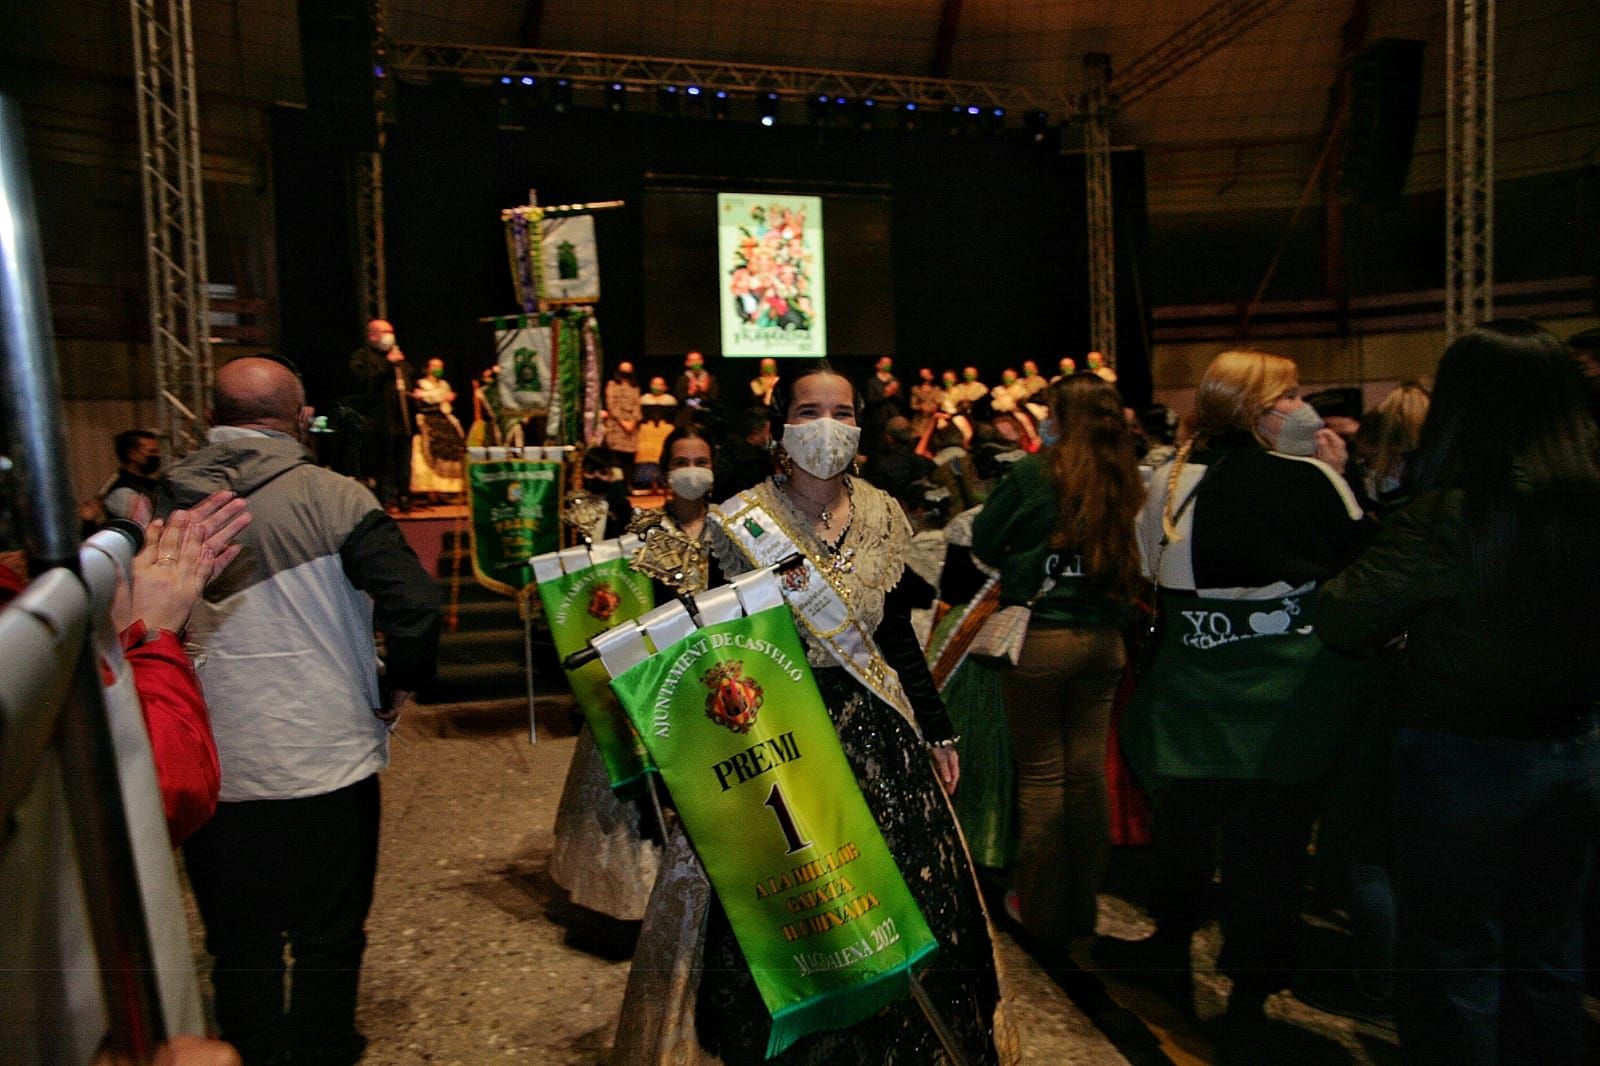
[[569, 379], [734, 720], [516, 514], [581, 605]]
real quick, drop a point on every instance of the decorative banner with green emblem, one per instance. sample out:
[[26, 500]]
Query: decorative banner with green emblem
[[733, 718], [515, 499], [598, 590]]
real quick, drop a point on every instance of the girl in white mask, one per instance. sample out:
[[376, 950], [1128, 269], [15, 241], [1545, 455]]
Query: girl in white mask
[[688, 459]]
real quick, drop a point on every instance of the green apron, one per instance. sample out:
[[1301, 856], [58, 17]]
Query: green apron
[[1243, 689]]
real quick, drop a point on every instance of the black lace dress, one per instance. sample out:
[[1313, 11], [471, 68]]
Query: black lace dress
[[691, 997]]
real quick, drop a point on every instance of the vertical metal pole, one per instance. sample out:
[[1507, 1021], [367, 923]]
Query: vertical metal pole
[[525, 608], [366, 170], [1097, 185], [31, 404], [1469, 164], [174, 214]]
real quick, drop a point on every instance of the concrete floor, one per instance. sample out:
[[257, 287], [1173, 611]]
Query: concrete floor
[[474, 955]]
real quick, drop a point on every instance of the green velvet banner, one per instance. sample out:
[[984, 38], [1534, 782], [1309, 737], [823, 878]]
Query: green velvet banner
[[581, 605], [733, 718], [516, 514]]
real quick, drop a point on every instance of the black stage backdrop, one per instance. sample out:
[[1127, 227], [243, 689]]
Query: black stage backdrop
[[986, 250]]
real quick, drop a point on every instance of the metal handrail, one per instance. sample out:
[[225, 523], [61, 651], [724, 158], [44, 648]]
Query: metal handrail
[[30, 397]]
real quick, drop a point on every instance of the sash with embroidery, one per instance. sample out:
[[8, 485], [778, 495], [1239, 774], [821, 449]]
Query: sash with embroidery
[[814, 591]]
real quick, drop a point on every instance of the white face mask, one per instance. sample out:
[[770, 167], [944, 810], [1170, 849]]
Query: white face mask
[[822, 448], [385, 342], [690, 482], [1297, 431]]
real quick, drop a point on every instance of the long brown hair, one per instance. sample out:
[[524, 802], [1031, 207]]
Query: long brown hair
[[1235, 391], [1098, 489]]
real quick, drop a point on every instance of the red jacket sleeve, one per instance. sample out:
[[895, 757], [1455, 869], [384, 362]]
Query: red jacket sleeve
[[180, 730]]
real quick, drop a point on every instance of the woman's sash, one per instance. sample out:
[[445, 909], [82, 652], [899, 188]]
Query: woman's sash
[[815, 592]]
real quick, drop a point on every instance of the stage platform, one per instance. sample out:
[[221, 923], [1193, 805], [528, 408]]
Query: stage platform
[[425, 528]]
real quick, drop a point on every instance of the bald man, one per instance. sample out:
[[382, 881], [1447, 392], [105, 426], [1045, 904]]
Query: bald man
[[381, 380], [284, 646]]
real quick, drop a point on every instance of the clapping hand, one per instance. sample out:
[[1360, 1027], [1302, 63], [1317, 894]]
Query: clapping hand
[[181, 555]]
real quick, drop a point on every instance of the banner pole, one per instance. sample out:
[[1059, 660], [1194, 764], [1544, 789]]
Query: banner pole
[[653, 784], [524, 607], [937, 1022]]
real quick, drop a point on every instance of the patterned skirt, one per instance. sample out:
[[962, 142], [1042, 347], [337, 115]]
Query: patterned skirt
[[705, 1007]]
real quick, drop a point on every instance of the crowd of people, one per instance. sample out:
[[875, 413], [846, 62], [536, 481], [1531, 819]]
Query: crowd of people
[[1297, 626], [1311, 628]]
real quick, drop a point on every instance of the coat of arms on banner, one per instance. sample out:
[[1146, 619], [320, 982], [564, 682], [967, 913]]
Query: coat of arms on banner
[[603, 601], [732, 700], [523, 356], [571, 261]]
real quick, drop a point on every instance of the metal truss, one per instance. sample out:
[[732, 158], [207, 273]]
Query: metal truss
[[1215, 27], [1096, 122], [174, 215], [418, 61], [1469, 165], [366, 186], [372, 279]]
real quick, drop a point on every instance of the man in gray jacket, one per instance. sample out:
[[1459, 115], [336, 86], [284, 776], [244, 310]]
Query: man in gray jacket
[[284, 646]]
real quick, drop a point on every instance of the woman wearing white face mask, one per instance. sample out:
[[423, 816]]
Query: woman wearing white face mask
[[600, 857], [897, 737], [688, 459]]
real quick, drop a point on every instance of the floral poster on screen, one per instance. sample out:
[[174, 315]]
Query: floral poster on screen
[[771, 275]]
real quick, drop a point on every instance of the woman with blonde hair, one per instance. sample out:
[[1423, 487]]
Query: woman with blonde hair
[[1397, 428], [1241, 712], [1060, 529]]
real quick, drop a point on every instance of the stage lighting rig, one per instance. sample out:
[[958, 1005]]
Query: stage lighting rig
[[818, 109], [909, 116], [866, 112], [667, 99], [616, 97], [767, 105], [719, 104], [561, 96]]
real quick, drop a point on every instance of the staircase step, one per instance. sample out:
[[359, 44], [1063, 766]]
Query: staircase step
[[475, 613], [460, 682], [470, 591], [490, 646]]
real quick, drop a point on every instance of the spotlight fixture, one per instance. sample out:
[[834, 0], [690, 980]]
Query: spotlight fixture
[[817, 109], [908, 115], [616, 97], [528, 81], [561, 95], [719, 104], [955, 119], [767, 107], [997, 119], [1037, 123], [866, 112], [667, 99]]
